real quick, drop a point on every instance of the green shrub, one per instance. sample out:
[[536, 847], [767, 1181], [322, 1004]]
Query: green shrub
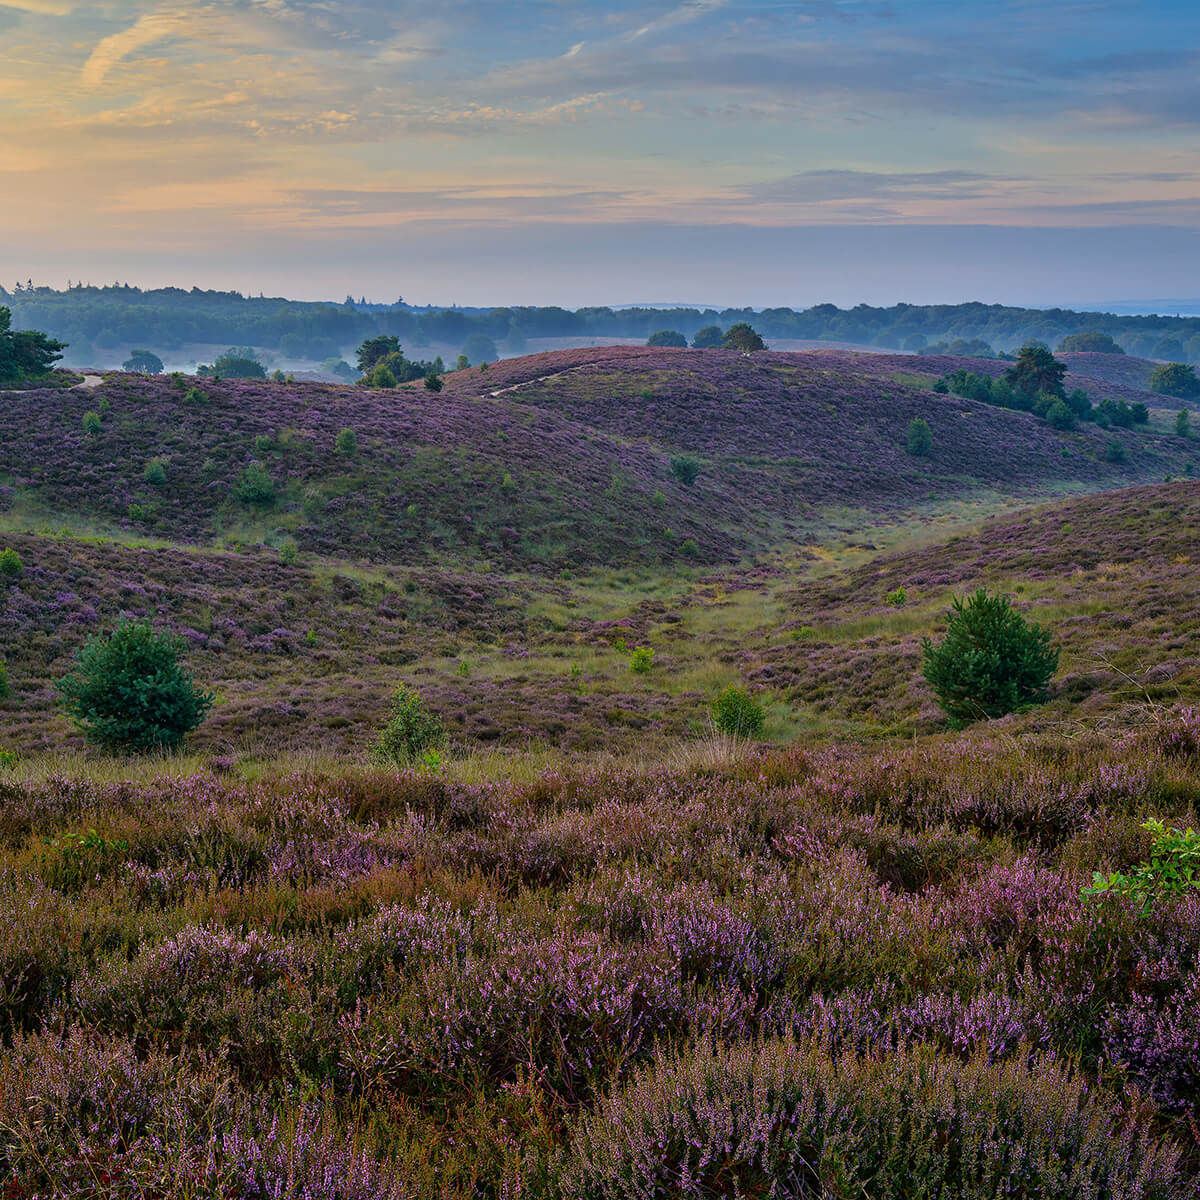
[[11, 567], [1183, 424], [381, 377], [346, 443], [155, 472], [128, 691], [433, 382], [178, 381], [1114, 452], [919, 438], [1172, 872], [288, 553], [264, 443], [196, 396], [685, 468], [780, 1118], [641, 662], [254, 485], [92, 422], [991, 661], [5, 690], [8, 760], [898, 598], [1175, 379], [411, 730], [1060, 417], [736, 713]]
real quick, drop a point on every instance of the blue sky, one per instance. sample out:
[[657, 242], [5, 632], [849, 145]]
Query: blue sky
[[561, 151]]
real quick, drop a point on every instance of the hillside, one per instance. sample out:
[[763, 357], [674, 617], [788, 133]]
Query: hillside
[[547, 461]]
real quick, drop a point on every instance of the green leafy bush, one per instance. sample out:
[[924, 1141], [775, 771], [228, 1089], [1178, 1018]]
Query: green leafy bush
[[128, 691], [411, 729], [433, 382], [195, 396], [920, 437], [346, 443], [381, 377], [155, 472], [780, 1118], [1114, 452], [254, 485], [685, 468], [991, 661], [641, 662], [91, 422], [736, 713], [1183, 424], [5, 690], [898, 598], [667, 337], [1171, 873], [1175, 379], [11, 567], [1059, 416]]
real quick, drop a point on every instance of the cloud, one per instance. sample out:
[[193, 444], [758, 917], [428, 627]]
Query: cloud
[[690, 10], [49, 8], [153, 27], [820, 187]]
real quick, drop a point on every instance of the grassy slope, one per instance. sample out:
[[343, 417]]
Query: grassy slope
[[524, 661], [550, 461]]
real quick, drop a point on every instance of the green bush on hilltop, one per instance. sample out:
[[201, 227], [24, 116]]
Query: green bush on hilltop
[[991, 661], [128, 691]]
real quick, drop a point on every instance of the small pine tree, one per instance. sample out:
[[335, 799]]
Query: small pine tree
[[411, 729], [155, 472], [433, 382], [1060, 417], [1183, 423], [736, 713], [920, 437], [991, 661], [5, 691], [91, 423], [346, 443], [128, 691], [685, 468], [11, 567], [254, 485]]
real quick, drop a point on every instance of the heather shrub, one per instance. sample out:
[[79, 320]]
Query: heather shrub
[[685, 468], [254, 485], [128, 691], [11, 567], [991, 661], [411, 729], [919, 439], [736, 713], [788, 1119]]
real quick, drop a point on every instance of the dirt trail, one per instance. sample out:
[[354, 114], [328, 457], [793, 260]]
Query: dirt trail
[[89, 382], [512, 387]]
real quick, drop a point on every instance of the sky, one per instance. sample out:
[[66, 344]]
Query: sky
[[743, 152]]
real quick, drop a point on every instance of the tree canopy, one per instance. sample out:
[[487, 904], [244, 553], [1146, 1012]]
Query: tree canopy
[[1093, 341], [1037, 371], [741, 336], [145, 362], [1175, 379], [667, 337], [25, 353], [708, 338]]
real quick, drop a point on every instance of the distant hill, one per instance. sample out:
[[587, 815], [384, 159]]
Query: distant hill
[[544, 462]]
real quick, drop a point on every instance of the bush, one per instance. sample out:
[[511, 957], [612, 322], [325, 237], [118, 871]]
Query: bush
[[667, 337], [1171, 874], [991, 661], [411, 729], [1183, 424], [708, 338], [641, 662], [898, 598], [433, 382], [736, 713], [5, 690], [920, 437], [128, 691], [91, 422], [1114, 452], [346, 443], [155, 472], [145, 362], [685, 468], [786, 1119], [381, 377], [11, 567], [1060, 417], [195, 396], [254, 485], [1094, 341], [1175, 379], [743, 337]]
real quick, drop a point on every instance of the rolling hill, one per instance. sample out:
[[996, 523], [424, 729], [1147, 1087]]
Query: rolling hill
[[546, 462]]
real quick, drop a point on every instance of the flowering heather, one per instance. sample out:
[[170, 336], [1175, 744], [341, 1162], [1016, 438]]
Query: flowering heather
[[387, 980]]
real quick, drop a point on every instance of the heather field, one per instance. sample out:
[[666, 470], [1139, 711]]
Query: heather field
[[591, 949]]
